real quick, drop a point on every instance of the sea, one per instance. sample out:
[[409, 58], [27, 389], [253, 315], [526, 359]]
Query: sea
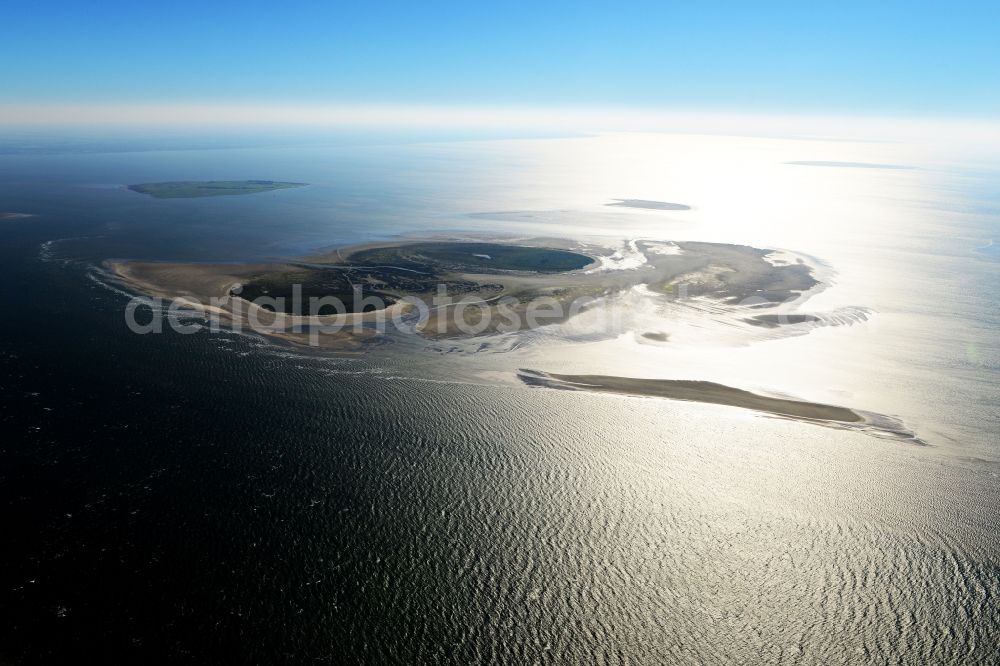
[[217, 498]]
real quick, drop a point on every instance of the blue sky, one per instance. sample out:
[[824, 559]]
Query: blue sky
[[914, 58]]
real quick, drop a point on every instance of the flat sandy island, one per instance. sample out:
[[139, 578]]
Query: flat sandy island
[[14, 216], [693, 391], [503, 279], [648, 205]]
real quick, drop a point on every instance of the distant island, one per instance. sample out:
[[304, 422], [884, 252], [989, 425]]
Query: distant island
[[847, 165], [189, 189], [14, 216], [648, 205]]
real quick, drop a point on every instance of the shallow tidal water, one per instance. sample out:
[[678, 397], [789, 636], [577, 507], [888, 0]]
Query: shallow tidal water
[[212, 498]]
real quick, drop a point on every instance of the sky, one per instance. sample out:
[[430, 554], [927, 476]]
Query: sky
[[872, 58]]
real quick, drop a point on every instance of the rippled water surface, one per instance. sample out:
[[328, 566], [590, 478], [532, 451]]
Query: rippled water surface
[[212, 498]]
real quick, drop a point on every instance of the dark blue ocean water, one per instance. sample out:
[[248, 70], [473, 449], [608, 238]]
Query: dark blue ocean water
[[214, 499]]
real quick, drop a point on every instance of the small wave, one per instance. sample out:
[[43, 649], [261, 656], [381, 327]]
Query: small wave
[[104, 279], [47, 249]]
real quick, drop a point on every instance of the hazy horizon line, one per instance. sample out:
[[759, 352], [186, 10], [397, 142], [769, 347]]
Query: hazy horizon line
[[565, 118]]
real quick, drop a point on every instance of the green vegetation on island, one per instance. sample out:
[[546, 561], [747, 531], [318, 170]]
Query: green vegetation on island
[[189, 189], [472, 257], [273, 289], [388, 273]]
